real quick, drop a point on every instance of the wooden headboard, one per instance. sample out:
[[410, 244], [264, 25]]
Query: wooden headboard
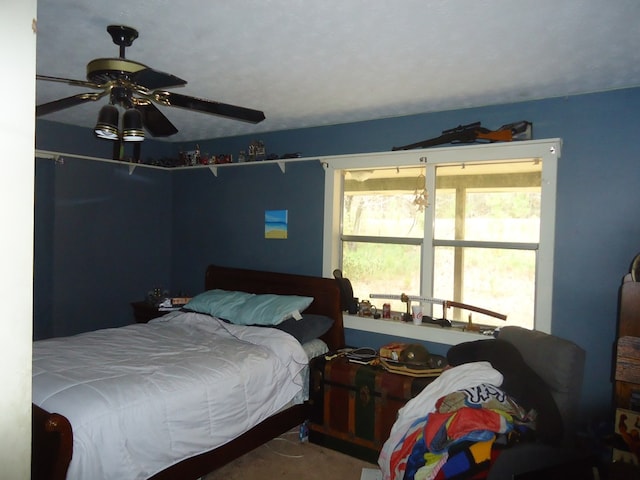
[[325, 292]]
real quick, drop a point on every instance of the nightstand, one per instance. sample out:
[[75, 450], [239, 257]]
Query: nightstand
[[353, 406], [144, 311]]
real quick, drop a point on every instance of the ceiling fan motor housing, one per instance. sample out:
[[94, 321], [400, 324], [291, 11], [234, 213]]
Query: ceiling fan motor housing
[[103, 70]]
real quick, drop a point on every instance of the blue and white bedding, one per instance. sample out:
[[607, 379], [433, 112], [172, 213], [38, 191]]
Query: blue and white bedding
[[143, 397]]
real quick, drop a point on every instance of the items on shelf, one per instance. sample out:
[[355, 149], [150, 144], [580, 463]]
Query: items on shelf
[[257, 151], [162, 299], [195, 157], [474, 132]]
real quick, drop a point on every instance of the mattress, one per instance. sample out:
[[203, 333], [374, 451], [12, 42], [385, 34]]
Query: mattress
[[143, 397], [312, 349]]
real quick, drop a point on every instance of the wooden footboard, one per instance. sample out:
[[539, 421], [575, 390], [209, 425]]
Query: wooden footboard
[[51, 445]]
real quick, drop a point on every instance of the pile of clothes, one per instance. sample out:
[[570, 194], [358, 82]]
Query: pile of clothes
[[459, 424]]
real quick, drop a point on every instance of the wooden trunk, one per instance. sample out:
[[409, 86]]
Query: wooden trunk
[[353, 406]]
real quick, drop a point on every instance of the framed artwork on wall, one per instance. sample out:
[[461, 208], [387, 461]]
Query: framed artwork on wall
[[275, 224]]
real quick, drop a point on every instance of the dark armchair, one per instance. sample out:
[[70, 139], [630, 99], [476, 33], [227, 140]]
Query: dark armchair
[[560, 365]]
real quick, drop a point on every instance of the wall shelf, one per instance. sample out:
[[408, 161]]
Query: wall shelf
[[372, 159], [59, 157]]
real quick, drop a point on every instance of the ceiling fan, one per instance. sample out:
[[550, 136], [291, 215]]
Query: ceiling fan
[[136, 88]]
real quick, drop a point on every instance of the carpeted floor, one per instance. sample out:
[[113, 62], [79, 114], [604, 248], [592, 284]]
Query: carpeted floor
[[286, 458]]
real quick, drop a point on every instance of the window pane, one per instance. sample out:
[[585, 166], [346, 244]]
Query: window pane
[[498, 202], [383, 203], [501, 280], [382, 268]]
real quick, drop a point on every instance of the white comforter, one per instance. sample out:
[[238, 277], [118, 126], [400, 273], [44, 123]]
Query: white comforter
[[142, 397]]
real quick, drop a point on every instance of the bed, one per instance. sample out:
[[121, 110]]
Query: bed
[[53, 432]]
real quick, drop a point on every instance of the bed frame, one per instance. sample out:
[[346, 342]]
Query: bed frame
[[52, 437]]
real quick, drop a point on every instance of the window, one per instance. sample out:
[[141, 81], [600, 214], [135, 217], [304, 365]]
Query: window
[[383, 230], [471, 224]]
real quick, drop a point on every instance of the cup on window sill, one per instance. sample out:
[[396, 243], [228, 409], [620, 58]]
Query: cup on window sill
[[416, 314]]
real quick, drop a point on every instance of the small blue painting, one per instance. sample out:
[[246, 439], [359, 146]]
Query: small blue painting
[[275, 224]]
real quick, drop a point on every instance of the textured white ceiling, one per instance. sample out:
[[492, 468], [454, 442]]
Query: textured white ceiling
[[317, 63]]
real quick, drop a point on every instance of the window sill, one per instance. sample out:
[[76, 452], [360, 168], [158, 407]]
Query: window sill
[[397, 328]]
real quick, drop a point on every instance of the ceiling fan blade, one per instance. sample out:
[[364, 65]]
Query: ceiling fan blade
[[152, 79], [68, 81], [208, 106], [155, 121], [67, 102]]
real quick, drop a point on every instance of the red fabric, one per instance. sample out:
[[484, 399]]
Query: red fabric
[[460, 423]]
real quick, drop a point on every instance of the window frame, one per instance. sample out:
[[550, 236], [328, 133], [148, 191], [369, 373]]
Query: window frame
[[547, 150]]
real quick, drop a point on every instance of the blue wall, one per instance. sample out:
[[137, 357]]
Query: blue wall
[[597, 227], [220, 219], [102, 236]]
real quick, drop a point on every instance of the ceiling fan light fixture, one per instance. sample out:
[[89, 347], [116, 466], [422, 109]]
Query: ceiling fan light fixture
[[107, 125], [132, 130]]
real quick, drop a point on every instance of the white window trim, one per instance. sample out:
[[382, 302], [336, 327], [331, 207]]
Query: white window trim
[[549, 150]]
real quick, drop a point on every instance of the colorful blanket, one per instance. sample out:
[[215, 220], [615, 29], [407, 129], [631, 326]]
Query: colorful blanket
[[456, 439]]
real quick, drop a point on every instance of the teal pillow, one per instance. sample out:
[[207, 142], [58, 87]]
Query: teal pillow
[[243, 308], [218, 303], [270, 309]]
